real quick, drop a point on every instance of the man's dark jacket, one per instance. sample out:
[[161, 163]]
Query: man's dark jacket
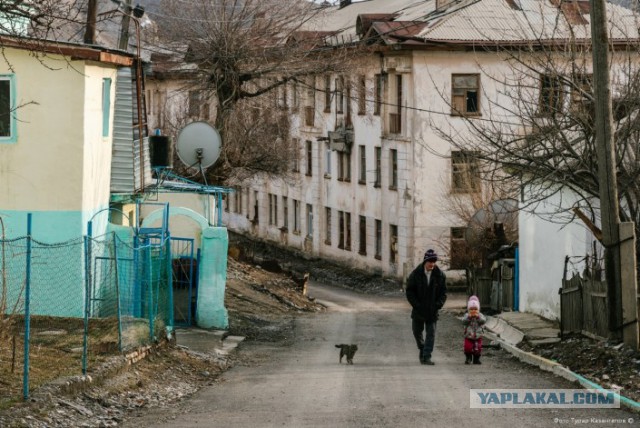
[[426, 299]]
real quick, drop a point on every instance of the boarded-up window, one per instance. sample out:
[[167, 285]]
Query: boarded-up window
[[465, 94]]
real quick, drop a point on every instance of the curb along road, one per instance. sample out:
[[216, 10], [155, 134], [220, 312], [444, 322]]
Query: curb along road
[[494, 325]]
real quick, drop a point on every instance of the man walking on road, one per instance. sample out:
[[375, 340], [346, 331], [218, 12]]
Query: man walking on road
[[426, 292]]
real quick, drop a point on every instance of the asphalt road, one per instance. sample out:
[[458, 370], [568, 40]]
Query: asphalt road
[[302, 385]]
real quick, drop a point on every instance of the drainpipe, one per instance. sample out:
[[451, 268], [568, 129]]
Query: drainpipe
[[139, 102]]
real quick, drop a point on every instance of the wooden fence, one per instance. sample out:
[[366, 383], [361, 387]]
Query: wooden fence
[[583, 306], [494, 289]]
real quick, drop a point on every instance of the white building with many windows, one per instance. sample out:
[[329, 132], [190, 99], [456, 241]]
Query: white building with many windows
[[373, 177]]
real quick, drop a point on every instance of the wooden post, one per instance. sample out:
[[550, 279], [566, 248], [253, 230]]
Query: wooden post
[[123, 43], [90, 29], [629, 293], [610, 216]]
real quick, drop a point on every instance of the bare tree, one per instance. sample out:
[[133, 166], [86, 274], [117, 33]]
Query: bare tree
[[244, 50], [537, 129]]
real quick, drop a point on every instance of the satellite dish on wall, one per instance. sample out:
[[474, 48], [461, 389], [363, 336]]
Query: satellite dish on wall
[[199, 145], [504, 211]]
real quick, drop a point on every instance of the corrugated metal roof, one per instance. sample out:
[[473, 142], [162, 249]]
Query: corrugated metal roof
[[476, 21], [497, 20]]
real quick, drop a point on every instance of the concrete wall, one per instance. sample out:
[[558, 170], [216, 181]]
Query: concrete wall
[[213, 242], [544, 244]]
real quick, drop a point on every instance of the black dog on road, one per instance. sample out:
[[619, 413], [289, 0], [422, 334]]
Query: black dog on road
[[347, 350]]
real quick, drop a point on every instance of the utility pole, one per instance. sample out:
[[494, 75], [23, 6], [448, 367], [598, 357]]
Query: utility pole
[[123, 43], [90, 30], [610, 215]]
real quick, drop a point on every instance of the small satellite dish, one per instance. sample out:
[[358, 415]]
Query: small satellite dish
[[503, 211], [198, 145]]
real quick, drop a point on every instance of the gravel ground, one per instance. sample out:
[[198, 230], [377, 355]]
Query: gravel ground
[[262, 305]]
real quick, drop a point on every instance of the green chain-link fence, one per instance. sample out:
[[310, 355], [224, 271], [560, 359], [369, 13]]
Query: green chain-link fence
[[66, 307]]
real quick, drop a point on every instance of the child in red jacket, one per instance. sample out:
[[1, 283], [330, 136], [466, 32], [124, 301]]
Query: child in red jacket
[[473, 321]]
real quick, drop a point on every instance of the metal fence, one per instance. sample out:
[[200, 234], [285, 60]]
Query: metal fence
[[66, 307]]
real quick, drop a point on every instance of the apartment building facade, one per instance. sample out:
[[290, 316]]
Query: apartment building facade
[[375, 178]]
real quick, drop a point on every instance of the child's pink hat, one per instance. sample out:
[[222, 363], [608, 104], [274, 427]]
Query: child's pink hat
[[473, 302]]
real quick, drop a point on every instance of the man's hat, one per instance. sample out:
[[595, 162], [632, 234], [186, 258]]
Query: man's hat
[[430, 256]]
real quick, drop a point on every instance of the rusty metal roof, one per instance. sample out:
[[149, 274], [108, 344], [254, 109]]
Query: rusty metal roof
[[473, 21]]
